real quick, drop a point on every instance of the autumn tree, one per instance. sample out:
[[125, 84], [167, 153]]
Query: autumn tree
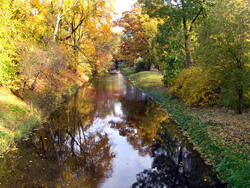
[[12, 18], [6, 25], [79, 25], [139, 32], [41, 39], [134, 42], [85, 27]]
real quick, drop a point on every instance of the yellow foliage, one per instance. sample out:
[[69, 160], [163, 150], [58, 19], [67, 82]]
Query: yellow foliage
[[195, 87]]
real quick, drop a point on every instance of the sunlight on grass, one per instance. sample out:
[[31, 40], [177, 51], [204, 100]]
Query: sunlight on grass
[[147, 79], [128, 70]]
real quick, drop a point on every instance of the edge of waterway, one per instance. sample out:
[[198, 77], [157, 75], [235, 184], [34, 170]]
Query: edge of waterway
[[212, 139], [18, 117]]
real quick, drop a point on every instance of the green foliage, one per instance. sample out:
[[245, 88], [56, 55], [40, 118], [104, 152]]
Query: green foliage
[[121, 66], [72, 91], [224, 49], [177, 32], [8, 68], [17, 122], [231, 88], [128, 70], [170, 51], [142, 66], [195, 87], [3, 135], [240, 175], [171, 68]]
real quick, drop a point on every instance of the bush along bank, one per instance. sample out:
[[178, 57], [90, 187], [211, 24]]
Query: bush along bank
[[218, 134], [18, 117]]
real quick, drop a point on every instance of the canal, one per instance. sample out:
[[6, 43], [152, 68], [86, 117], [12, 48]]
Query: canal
[[109, 135]]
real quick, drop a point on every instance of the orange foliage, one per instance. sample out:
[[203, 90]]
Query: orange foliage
[[135, 39]]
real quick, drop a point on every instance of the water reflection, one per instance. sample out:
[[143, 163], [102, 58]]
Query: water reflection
[[106, 143], [175, 164]]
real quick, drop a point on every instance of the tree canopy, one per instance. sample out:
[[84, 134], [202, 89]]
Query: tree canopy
[[200, 45], [81, 29]]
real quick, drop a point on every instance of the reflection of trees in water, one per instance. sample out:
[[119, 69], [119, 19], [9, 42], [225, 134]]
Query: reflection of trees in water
[[68, 152], [66, 149], [175, 164], [86, 155], [65, 164], [143, 119]]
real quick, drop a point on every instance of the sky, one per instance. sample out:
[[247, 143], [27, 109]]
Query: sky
[[121, 6]]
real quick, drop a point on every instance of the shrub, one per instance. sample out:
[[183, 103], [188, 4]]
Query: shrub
[[172, 67], [195, 87], [121, 66], [142, 66]]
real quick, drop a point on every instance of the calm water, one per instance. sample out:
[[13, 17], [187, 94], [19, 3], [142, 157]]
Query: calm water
[[109, 136]]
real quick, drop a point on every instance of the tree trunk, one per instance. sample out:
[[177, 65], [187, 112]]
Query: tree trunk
[[58, 19], [240, 102], [188, 62], [240, 86], [57, 25], [35, 82], [24, 85]]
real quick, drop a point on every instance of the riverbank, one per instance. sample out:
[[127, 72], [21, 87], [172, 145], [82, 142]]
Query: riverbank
[[18, 117], [218, 134]]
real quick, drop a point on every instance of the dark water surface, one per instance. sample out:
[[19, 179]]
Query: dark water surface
[[126, 141]]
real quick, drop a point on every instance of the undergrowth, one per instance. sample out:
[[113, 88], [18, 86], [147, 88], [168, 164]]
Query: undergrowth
[[17, 118], [16, 123]]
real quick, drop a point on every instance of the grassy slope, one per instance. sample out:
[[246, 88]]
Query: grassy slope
[[220, 135], [18, 117]]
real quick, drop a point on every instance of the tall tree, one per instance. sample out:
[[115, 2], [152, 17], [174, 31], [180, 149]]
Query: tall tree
[[224, 49], [134, 42], [139, 32], [13, 17], [179, 16], [81, 26]]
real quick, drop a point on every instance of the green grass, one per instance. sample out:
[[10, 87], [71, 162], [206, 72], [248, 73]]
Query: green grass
[[147, 80], [128, 70], [16, 122], [230, 159], [16, 119]]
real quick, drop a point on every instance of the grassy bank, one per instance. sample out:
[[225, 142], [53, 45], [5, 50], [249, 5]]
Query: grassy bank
[[220, 135], [18, 117]]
